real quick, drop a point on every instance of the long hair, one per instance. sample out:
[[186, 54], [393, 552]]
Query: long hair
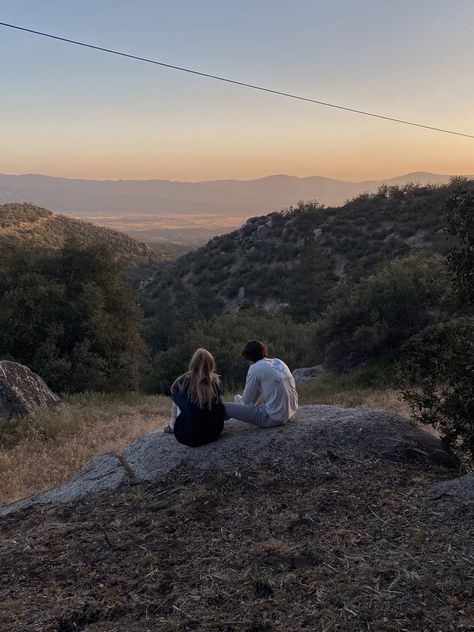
[[200, 379]]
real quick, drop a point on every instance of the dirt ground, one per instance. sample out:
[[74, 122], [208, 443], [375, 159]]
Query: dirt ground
[[331, 543]]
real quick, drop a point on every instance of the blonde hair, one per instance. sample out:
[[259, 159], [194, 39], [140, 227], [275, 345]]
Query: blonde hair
[[200, 379]]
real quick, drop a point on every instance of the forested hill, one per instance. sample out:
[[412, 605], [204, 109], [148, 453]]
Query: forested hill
[[297, 256], [26, 223]]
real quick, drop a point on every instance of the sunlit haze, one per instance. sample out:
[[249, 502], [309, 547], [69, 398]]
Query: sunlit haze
[[72, 112]]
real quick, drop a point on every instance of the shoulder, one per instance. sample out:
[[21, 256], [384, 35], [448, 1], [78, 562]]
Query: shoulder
[[180, 384]]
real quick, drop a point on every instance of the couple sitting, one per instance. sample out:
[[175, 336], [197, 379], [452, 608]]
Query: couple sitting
[[198, 412]]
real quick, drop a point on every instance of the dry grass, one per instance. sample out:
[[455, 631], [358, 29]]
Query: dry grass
[[46, 449], [388, 399]]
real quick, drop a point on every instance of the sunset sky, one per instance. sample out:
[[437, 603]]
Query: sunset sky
[[73, 112]]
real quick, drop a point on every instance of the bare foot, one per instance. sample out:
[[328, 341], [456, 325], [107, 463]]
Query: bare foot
[[168, 429]]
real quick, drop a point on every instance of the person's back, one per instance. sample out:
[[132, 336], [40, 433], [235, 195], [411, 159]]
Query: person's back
[[277, 387], [268, 379], [199, 413], [195, 426]]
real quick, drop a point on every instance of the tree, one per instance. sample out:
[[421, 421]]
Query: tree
[[460, 223], [310, 281], [437, 368], [70, 316]]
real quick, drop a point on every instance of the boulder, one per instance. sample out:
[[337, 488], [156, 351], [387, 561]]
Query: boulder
[[453, 491], [262, 232], [366, 432], [316, 432], [106, 472], [246, 229], [22, 392], [306, 374]]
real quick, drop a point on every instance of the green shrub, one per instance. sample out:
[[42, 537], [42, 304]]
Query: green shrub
[[437, 380], [374, 317]]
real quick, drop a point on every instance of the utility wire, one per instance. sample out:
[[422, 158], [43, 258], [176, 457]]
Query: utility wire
[[453, 17], [233, 81]]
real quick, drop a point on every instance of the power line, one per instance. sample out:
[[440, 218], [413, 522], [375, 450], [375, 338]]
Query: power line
[[233, 81], [453, 17]]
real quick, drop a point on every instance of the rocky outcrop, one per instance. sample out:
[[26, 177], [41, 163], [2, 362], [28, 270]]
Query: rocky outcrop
[[306, 374], [454, 491], [22, 392], [317, 432], [105, 473]]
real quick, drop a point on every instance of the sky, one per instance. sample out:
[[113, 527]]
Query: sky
[[72, 112]]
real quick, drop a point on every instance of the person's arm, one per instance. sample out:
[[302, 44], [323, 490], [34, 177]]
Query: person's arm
[[252, 389]]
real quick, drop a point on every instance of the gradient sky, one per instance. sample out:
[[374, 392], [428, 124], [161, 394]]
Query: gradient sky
[[72, 112]]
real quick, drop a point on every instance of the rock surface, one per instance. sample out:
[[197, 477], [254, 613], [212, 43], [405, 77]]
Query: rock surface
[[22, 392], [316, 432], [306, 374], [458, 489], [106, 472]]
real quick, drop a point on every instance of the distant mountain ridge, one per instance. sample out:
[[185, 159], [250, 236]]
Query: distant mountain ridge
[[226, 197]]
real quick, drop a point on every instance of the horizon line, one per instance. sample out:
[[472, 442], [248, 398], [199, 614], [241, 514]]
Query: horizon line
[[230, 179]]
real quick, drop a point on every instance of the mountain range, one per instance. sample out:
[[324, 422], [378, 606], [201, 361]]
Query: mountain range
[[239, 198]]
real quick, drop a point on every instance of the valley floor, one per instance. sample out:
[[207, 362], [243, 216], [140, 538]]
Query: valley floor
[[318, 544]]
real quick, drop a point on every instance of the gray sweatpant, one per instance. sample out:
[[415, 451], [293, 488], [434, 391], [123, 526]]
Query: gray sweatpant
[[256, 415]]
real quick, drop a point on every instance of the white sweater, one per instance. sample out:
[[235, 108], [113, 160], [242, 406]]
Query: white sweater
[[272, 379]]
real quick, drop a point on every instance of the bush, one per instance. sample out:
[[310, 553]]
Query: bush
[[437, 370], [437, 380], [460, 223], [375, 317]]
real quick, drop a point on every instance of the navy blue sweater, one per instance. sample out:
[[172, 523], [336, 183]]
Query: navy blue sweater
[[196, 426]]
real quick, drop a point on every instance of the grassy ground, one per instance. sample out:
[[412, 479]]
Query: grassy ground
[[46, 449]]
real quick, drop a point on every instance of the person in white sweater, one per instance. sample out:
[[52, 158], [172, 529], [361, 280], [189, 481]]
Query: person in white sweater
[[269, 379]]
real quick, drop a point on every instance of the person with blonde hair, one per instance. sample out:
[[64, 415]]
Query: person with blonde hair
[[198, 412]]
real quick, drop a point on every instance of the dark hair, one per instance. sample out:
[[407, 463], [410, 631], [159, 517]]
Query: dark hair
[[255, 350]]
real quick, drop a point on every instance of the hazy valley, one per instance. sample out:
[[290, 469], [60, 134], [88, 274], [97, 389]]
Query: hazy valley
[[184, 213]]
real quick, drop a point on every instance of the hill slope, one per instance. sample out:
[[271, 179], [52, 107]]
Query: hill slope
[[261, 263], [40, 227]]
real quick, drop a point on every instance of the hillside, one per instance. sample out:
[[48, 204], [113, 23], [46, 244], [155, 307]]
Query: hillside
[[41, 227], [263, 262]]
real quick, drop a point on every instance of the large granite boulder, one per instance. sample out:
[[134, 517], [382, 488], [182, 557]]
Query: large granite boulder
[[22, 392], [356, 432], [316, 432]]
